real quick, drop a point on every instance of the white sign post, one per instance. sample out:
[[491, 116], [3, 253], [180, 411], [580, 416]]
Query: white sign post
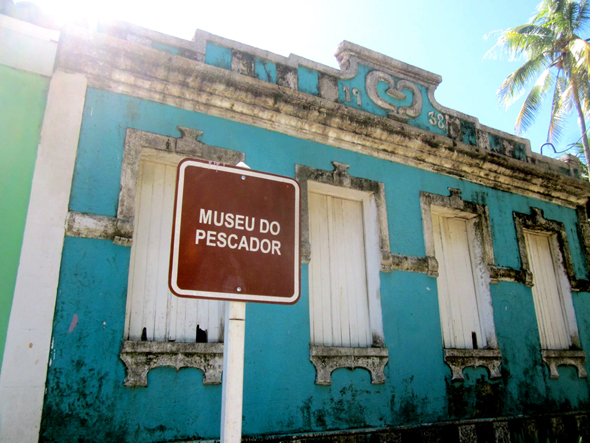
[[251, 255], [233, 372]]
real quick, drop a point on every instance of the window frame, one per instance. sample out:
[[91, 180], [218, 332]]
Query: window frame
[[453, 205], [372, 258], [562, 285], [326, 359], [536, 222], [140, 357]]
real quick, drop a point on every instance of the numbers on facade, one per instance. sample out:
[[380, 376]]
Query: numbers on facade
[[346, 90], [437, 119], [355, 92]]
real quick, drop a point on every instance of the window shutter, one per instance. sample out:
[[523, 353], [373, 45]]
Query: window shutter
[[338, 277], [549, 293], [153, 313]]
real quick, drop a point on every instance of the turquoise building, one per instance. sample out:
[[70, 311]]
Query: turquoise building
[[444, 275]]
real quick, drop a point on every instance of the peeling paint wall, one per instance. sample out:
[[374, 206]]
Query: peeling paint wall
[[86, 398]]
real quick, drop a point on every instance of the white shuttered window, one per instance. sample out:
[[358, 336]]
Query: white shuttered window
[[343, 249], [551, 291], [153, 312], [463, 282]]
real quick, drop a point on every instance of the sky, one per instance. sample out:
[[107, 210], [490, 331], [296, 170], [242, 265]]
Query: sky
[[444, 37]]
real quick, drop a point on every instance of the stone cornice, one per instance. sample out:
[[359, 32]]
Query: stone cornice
[[132, 69]]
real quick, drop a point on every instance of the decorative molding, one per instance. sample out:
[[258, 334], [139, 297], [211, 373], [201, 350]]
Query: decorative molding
[[127, 68], [554, 358], [537, 222], [454, 202], [562, 259], [79, 224], [584, 238], [508, 274], [326, 359], [402, 113], [409, 263], [120, 229], [340, 177], [349, 53], [479, 233], [187, 145], [459, 359], [141, 357]]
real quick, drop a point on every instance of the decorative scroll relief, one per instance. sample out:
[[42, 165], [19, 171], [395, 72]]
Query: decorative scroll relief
[[141, 357], [556, 357], [327, 359], [459, 359], [401, 113]]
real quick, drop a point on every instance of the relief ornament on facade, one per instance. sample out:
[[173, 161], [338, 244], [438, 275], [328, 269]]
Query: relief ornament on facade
[[401, 113]]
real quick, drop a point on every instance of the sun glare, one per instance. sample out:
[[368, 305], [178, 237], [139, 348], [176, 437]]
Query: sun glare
[[64, 12]]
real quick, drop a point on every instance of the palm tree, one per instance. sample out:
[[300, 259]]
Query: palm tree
[[558, 58]]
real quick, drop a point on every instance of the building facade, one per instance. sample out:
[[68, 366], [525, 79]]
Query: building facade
[[445, 265]]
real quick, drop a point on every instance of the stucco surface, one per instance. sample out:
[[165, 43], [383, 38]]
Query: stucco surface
[[86, 398]]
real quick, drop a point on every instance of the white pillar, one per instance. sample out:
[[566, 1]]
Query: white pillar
[[26, 354], [233, 372]]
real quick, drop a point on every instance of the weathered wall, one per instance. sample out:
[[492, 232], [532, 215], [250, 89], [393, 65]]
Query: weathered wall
[[86, 398], [22, 102]]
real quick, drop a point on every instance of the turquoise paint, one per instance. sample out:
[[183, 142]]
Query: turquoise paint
[[520, 153], [495, 143], [92, 288], [468, 133], [265, 70], [166, 48], [218, 56], [86, 398], [307, 81], [358, 82]]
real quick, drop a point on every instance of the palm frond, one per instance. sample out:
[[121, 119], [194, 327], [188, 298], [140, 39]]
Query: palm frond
[[513, 86], [551, 46], [528, 40], [583, 15], [580, 50], [533, 101], [560, 109]]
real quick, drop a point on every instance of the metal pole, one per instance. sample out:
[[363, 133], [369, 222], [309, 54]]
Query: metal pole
[[233, 372]]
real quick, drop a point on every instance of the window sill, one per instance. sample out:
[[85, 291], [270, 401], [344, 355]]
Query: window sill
[[327, 359], [556, 357], [459, 359], [140, 357]]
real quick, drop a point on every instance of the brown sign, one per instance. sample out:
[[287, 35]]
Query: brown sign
[[235, 234]]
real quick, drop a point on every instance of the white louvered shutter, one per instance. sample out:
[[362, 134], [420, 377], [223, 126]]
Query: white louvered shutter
[[152, 311], [551, 294], [457, 283], [339, 309]]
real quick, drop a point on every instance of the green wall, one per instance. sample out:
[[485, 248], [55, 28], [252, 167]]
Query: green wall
[[22, 104]]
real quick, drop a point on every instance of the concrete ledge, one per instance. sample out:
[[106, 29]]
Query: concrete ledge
[[459, 359], [141, 357], [123, 67], [326, 359], [555, 358]]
